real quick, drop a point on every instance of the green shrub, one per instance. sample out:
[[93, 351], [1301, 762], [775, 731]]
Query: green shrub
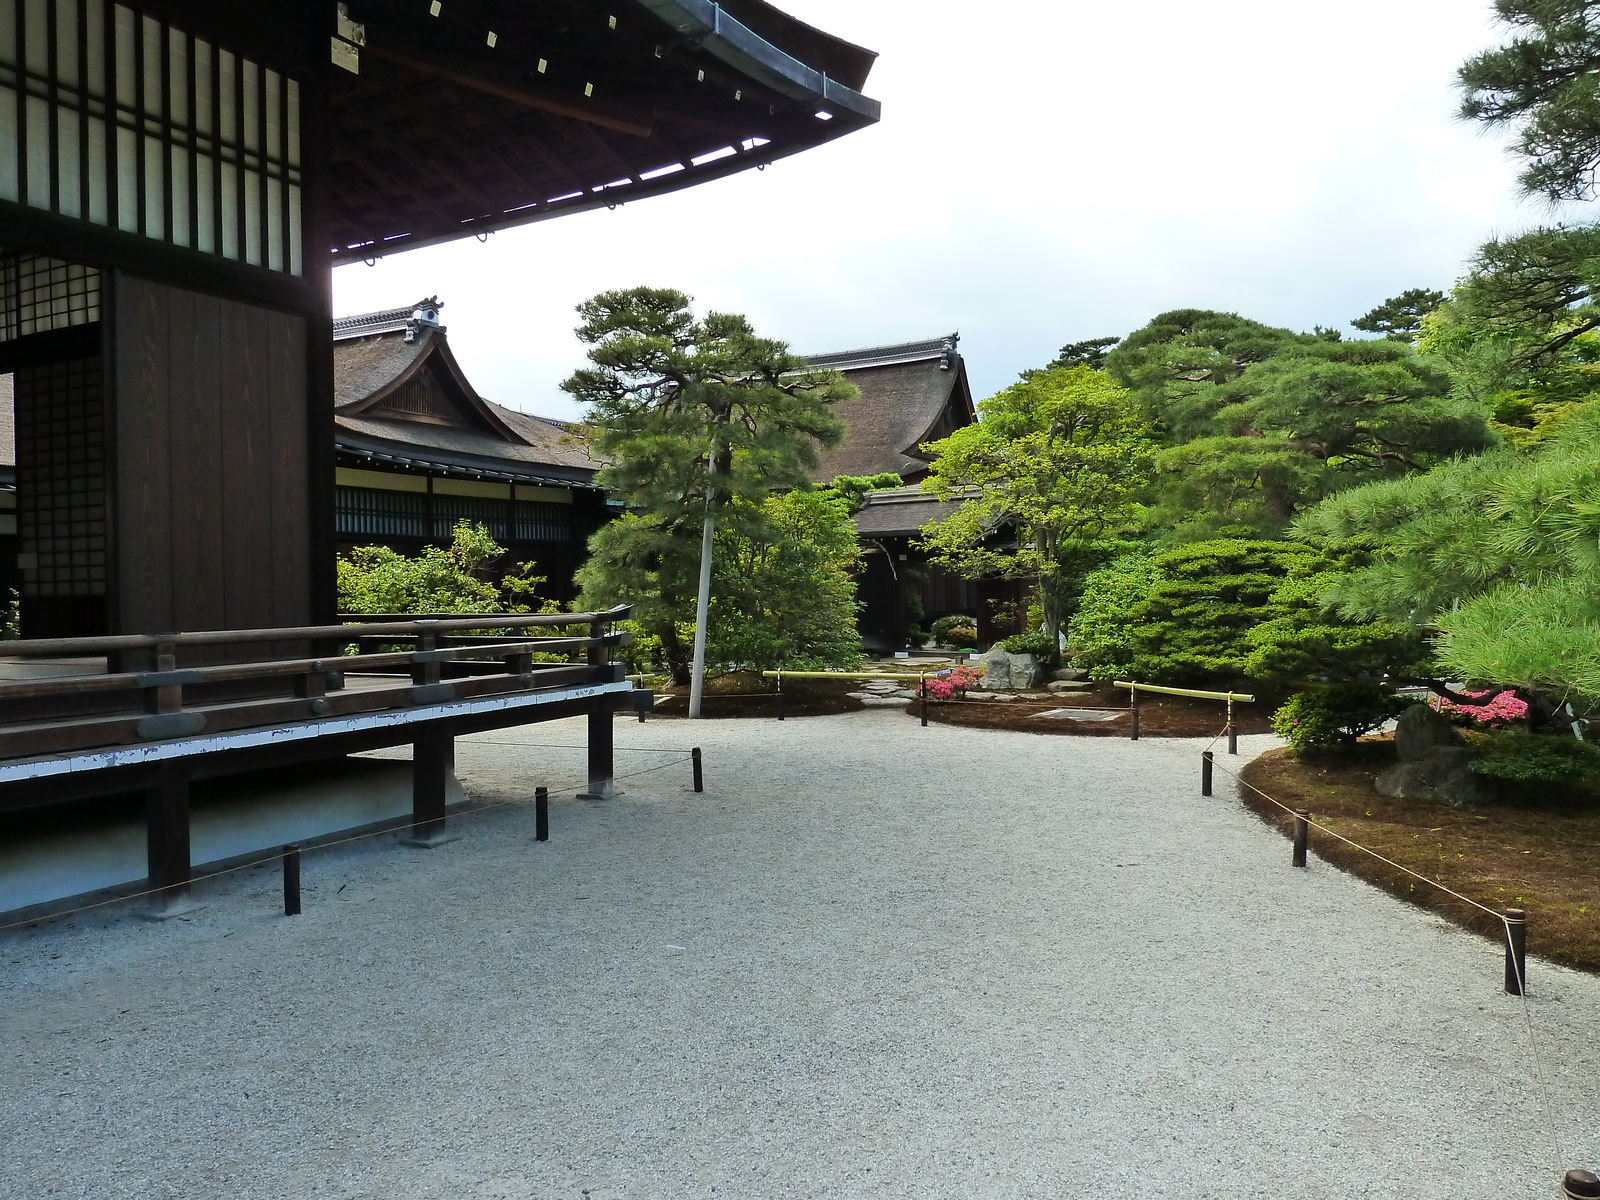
[[1100, 635], [1333, 717], [955, 631], [1037, 644], [1535, 758]]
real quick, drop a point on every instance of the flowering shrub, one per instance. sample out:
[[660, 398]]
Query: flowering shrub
[[1493, 714], [950, 683]]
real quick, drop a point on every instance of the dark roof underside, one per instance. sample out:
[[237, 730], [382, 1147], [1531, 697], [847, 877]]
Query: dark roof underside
[[900, 512], [442, 135]]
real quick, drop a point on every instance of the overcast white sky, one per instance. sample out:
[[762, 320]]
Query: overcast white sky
[[1045, 171]]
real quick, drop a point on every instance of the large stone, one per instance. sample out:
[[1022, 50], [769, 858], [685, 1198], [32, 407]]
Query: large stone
[[1011, 671], [1420, 731], [1067, 685], [1070, 674], [1442, 774]]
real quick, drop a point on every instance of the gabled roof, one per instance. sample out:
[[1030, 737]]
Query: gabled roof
[[911, 392], [900, 512], [376, 416]]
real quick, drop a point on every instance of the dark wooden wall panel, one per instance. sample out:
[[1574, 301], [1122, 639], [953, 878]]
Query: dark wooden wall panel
[[213, 518]]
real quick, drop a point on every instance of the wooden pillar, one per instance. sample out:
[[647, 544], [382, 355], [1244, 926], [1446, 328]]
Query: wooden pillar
[[601, 770], [167, 832], [432, 756]]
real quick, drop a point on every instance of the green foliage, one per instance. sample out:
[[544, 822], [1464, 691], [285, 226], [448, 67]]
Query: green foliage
[[376, 579], [1502, 551], [1091, 354], [1099, 638], [786, 598], [1205, 599], [955, 631], [1534, 758], [1400, 317], [1543, 83], [1259, 422], [1333, 717], [1056, 459], [854, 488], [1040, 645], [690, 414], [1302, 638]]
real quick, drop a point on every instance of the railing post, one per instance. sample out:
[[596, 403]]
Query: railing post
[[541, 814], [1233, 732], [291, 880], [1206, 762], [1516, 951], [1133, 713], [426, 672], [780, 695], [1302, 834], [923, 693], [699, 769], [1580, 1185]]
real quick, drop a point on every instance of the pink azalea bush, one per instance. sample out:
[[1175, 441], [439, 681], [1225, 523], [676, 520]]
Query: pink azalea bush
[[951, 683], [1497, 713]]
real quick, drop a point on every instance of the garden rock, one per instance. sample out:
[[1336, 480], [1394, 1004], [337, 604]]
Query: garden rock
[[1066, 685], [1442, 773], [1006, 670], [1069, 674], [980, 695], [1420, 731]]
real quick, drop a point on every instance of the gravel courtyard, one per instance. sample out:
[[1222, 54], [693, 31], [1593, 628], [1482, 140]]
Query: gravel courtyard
[[870, 960]]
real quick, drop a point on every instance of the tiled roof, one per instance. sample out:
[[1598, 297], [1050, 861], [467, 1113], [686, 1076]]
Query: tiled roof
[[900, 512], [373, 351]]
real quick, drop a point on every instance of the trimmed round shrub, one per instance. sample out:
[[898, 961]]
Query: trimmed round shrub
[[1333, 717]]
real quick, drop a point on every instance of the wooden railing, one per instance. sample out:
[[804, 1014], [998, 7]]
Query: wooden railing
[[80, 712]]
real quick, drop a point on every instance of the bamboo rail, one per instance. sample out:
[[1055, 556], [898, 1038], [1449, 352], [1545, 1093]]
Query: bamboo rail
[[1237, 697]]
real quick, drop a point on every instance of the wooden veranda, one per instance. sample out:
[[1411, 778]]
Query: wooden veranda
[[152, 714]]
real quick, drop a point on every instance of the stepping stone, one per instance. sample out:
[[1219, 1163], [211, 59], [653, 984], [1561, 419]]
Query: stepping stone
[[1084, 714]]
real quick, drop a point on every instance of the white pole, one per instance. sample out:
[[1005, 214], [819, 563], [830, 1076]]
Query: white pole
[[702, 613]]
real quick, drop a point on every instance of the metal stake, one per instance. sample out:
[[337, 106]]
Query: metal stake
[[1302, 832], [1206, 759], [541, 814], [1516, 951], [699, 773], [291, 880]]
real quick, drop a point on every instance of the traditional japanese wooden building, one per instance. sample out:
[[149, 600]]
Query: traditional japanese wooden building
[[177, 180], [419, 450], [912, 394]]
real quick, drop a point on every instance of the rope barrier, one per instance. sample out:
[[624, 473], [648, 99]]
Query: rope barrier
[[1562, 1162], [278, 855]]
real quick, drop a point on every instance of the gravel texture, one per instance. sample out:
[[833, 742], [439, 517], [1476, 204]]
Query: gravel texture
[[870, 960]]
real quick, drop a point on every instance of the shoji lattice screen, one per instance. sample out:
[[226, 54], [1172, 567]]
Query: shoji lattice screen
[[117, 118]]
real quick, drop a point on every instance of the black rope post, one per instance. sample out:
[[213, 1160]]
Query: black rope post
[[291, 880], [541, 814], [699, 772], [1302, 833], [923, 691], [1133, 713], [1233, 730], [780, 695], [1207, 760], [1580, 1185], [1516, 951]]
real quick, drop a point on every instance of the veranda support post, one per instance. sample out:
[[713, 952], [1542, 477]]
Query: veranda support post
[[167, 833], [432, 756], [601, 770]]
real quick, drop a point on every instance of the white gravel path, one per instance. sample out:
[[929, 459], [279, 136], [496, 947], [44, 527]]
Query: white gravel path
[[870, 960]]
